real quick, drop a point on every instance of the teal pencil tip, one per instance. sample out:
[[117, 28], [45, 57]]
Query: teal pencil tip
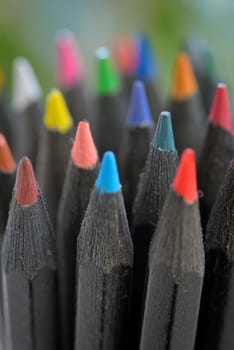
[[164, 136], [108, 178]]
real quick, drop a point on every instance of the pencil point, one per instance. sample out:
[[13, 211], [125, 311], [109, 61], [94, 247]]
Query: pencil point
[[164, 136], [138, 111], [7, 163], [108, 178], [125, 54], [84, 153], [185, 181], [220, 113], [57, 116], [26, 88], [26, 187], [146, 61], [107, 79], [70, 65], [184, 84]]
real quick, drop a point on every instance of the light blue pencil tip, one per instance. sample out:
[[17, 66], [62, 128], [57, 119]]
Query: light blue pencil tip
[[139, 111], [108, 178]]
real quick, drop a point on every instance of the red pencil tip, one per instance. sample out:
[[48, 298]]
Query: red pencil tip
[[125, 54], [185, 181], [7, 163], [220, 113], [84, 153], [26, 187]]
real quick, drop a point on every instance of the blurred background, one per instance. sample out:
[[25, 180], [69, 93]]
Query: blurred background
[[28, 28]]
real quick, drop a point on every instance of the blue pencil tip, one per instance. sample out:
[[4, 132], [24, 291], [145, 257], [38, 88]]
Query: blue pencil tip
[[146, 69], [164, 136], [108, 178], [139, 111]]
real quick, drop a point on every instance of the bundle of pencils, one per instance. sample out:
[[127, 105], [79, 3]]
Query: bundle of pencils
[[109, 261]]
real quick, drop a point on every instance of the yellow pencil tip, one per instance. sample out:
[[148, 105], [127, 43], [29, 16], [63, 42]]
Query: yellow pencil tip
[[57, 116]]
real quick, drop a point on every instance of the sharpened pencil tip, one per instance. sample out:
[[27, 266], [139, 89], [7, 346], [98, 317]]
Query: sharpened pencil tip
[[164, 136], [57, 116], [220, 113], [138, 111], [70, 64], [184, 84], [26, 187], [107, 79], [108, 178], [185, 181], [7, 163], [84, 153], [125, 54], [26, 88], [146, 68]]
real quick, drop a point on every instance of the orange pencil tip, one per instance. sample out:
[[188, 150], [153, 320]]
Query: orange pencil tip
[[184, 84], [7, 163]]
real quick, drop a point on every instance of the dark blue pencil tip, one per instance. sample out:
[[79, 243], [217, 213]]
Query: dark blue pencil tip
[[139, 111], [108, 178], [147, 64], [164, 137]]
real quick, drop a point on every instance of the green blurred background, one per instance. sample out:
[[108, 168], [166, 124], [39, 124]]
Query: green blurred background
[[28, 27]]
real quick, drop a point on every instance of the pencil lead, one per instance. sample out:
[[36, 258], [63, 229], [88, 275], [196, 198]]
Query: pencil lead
[[108, 178], [146, 69], [220, 113], [185, 181], [26, 88], [107, 78], [7, 163], [125, 54], [57, 116], [84, 153], [2, 79], [139, 112], [70, 64], [26, 187], [164, 136], [184, 84]]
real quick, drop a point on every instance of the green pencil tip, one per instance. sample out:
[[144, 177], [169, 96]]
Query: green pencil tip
[[164, 137], [108, 82]]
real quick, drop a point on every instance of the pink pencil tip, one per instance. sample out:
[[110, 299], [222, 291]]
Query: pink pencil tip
[[220, 113], [70, 64], [84, 153], [26, 187]]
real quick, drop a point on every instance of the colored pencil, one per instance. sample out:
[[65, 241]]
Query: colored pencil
[[205, 69], [104, 265], [29, 269], [146, 71], [54, 151], [70, 74], [154, 183], [7, 176], [135, 144], [26, 100], [217, 306], [79, 180], [109, 118], [217, 151], [125, 51], [185, 105], [176, 266]]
